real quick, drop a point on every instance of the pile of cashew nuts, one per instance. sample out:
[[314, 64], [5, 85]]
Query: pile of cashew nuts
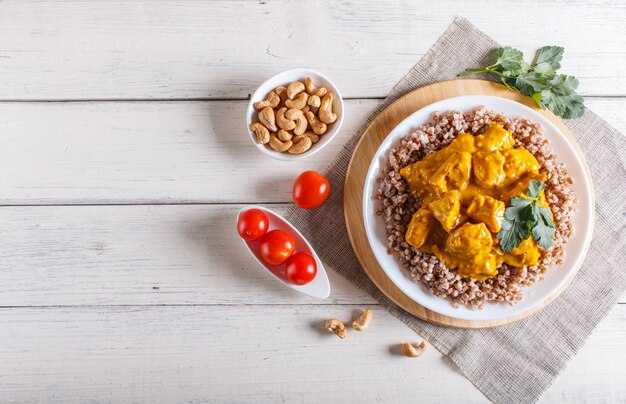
[[292, 118]]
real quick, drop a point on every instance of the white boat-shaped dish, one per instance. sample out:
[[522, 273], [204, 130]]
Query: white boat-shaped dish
[[319, 287]]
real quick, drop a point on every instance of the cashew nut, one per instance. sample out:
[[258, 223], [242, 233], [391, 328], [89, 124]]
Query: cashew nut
[[310, 88], [299, 102], [283, 135], [278, 145], [306, 109], [326, 109], [363, 320], [314, 138], [301, 146], [261, 133], [266, 116], [272, 100], [336, 326], [314, 101], [297, 116], [283, 122], [282, 93], [319, 127], [294, 89], [413, 351]]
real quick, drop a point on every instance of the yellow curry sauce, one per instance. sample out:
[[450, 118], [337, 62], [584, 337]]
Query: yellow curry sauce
[[464, 189]]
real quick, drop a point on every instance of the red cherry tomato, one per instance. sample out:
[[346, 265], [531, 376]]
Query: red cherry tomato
[[276, 246], [310, 190], [252, 224], [301, 268]]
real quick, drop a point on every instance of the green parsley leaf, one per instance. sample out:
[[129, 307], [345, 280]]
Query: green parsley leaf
[[551, 55], [566, 106], [530, 82], [517, 72], [564, 84], [512, 234], [535, 187], [508, 58], [538, 80], [544, 69], [543, 232], [524, 217], [519, 210]]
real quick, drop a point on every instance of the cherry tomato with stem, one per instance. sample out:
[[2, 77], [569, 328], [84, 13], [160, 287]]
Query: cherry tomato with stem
[[276, 246], [301, 268], [310, 190], [252, 224]]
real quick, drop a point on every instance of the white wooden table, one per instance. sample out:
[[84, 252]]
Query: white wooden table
[[124, 159]]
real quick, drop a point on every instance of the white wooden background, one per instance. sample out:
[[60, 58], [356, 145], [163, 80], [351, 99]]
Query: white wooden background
[[124, 159]]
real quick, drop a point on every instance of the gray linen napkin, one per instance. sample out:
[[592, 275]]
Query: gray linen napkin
[[514, 363]]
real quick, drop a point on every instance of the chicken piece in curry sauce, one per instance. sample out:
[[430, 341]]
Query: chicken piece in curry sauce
[[464, 189]]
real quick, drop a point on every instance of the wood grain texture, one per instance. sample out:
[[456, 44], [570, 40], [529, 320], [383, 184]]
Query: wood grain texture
[[224, 49], [254, 354], [138, 255], [158, 152], [356, 176], [158, 303]]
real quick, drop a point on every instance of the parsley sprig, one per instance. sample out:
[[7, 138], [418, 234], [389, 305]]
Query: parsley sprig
[[524, 217], [556, 92]]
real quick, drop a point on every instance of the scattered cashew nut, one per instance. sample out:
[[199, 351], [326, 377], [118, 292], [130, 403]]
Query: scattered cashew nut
[[310, 88], [283, 122], [297, 116], [299, 102], [279, 146], [413, 351], [363, 320], [294, 89], [283, 135], [319, 127], [261, 133], [336, 326], [272, 100], [326, 109], [266, 116]]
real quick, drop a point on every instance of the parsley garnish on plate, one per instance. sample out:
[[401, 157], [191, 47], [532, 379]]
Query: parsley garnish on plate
[[524, 217], [556, 92]]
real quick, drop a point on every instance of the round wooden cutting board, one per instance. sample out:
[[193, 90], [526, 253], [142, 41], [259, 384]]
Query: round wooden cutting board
[[360, 162]]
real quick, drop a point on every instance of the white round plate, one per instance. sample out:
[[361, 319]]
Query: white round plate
[[554, 278], [319, 287]]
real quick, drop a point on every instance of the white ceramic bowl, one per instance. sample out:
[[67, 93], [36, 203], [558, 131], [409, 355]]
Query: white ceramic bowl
[[555, 277], [319, 287], [284, 79]]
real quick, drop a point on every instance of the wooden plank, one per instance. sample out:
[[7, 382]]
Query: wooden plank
[[187, 49], [111, 255], [122, 255], [254, 354], [157, 152]]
